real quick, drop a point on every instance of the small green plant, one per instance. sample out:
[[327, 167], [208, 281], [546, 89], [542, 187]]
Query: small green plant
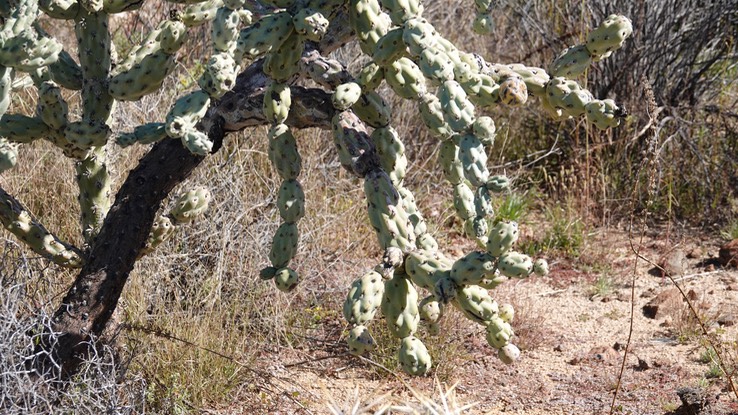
[[601, 287], [730, 231], [513, 207]]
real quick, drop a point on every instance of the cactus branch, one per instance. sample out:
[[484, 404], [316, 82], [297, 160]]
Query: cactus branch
[[16, 218]]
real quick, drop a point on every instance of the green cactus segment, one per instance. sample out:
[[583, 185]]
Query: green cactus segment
[[419, 35], [152, 62], [369, 23], [372, 109], [484, 24], [220, 75], [477, 228], [431, 114], [515, 265], [535, 79], [161, 230], [472, 268], [291, 201], [94, 182], [609, 36], [286, 279], [476, 304], [436, 65], [66, 72], [86, 133], [143, 134], [283, 62], [499, 333], [184, 116], [571, 62], [364, 298], [458, 111], [498, 184], [568, 96], [445, 289], [18, 128], [390, 48], [414, 357], [310, 24], [190, 205], [453, 169], [346, 95], [225, 30], [52, 109], [464, 201], [400, 306], [283, 152], [200, 13], [416, 218], [282, 4], [431, 312], [24, 48], [493, 282], [120, 6], [473, 158], [403, 10], [483, 203], [6, 86], [507, 313], [540, 267], [284, 245], [391, 153], [16, 219], [502, 237], [268, 33], [405, 78], [387, 213], [360, 340], [603, 114], [508, 354], [94, 52], [277, 102], [8, 155], [370, 77], [351, 141], [92, 6], [425, 267], [484, 129], [60, 9], [267, 273]]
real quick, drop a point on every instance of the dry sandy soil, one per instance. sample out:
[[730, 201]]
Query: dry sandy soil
[[573, 336]]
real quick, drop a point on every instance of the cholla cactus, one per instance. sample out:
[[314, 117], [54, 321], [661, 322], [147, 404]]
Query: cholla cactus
[[276, 42]]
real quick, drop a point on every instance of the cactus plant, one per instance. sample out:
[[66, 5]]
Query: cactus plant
[[275, 44]]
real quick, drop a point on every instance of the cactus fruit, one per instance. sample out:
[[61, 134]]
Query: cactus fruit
[[161, 230], [364, 298], [513, 91], [508, 353], [414, 356], [540, 267], [515, 265], [219, 76], [484, 24], [603, 114], [286, 279], [430, 310], [190, 205], [502, 237], [499, 333], [609, 36], [507, 313], [400, 306], [360, 340]]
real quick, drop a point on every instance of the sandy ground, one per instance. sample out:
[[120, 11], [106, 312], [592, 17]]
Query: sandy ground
[[573, 338]]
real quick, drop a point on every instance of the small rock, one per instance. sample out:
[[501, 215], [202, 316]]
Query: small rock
[[559, 348], [666, 301], [728, 255], [643, 364], [710, 268], [726, 320], [598, 354], [695, 253], [673, 263], [732, 287], [693, 400]]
